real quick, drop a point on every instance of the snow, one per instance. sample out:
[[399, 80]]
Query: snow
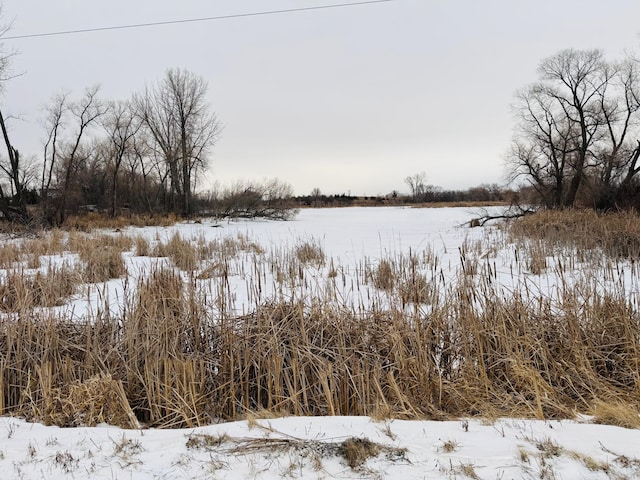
[[351, 238], [303, 447]]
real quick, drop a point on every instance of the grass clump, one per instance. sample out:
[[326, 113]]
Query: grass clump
[[10, 254], [309, 253], [384, 276], [142, 248], [20, 291], [619, 414], [99, 399], [102, 264], [101, 255], [356, 451], [182, 252]]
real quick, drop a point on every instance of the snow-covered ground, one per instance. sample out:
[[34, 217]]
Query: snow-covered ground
[[354, 240], [303, 447], [323, 447]]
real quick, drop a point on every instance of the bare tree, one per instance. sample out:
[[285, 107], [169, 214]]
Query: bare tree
[[316, 194], [15, 174], [15, 207], [68, 125], [176, 112], [416, 183], [618, 151], [53, 124], [121, 125], [574, 126]]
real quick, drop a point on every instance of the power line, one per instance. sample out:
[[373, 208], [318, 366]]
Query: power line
[[191, 20]]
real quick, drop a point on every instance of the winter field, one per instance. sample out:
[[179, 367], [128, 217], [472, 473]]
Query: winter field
[[347, 343]]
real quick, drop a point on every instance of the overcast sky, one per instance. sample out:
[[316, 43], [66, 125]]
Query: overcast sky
[[349, 100]]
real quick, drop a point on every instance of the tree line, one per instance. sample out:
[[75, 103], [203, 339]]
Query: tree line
[[576, 143], [144, 153], [424, 193]]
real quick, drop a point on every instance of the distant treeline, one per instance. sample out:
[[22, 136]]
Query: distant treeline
[[492, 193]]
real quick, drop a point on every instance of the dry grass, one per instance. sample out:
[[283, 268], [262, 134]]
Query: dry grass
[[53, 242], [92, 221], [10, 255], [384, 276], [182, 252], [309, 253], [142, 246], [356, 451], [180, 366], [615, 234], [21, 292], [614, 412], [175, 356], [101, 255], [99, 399]]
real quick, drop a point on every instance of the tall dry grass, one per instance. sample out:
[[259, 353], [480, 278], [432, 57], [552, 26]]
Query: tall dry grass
[[179, 365], [616, 235], [21, 291], [177, 356], [89, 222]]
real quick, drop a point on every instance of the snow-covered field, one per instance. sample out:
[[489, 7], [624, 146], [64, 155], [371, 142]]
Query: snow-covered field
[[353, 240]]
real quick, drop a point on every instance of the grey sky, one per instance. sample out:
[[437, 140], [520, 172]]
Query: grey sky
[[348, 99]]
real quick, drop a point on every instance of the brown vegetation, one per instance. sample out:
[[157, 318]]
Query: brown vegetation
[[436, 349], [616, 235]]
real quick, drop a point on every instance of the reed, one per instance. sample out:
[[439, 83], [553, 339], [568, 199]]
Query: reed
[[425, 345]]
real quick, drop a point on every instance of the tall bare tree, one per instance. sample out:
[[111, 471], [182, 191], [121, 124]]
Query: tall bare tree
[[53, 124], [416, 184], [574, 127], [558, 118], [619, 148], [67, 148], [183, 128], [121, 125], [13, 167]]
